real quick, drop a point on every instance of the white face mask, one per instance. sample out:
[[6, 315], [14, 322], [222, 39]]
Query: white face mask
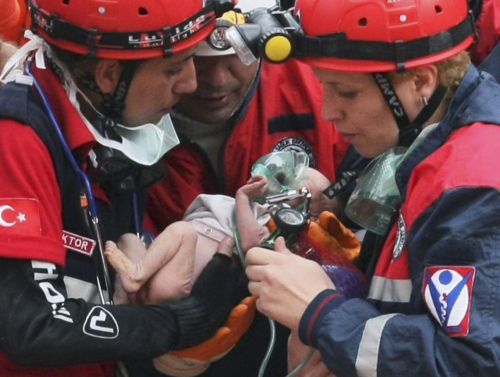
[[144, 144]]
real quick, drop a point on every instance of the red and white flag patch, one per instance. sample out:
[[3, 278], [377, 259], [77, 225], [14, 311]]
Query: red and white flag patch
[[19, 216], [447, 292]]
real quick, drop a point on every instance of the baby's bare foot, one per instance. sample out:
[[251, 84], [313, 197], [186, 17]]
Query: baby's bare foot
[[123, 266]]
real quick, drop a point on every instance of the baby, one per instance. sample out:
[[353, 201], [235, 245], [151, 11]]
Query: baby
[[168, 269], [170, 266]]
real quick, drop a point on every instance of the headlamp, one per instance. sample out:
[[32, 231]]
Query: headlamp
[[217, 39], [263, 34]]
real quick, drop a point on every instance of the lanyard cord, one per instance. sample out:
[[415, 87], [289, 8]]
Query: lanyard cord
[[85, 185], [272, 341]]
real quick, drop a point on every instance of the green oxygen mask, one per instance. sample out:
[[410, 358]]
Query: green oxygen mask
[[376, 197], [284, 171]]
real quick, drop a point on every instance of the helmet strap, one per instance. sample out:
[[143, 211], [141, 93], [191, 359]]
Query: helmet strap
[[113, 104], [408, 130]]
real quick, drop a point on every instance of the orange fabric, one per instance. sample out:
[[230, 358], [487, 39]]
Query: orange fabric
[[271, 225], [227, 336], [24, 21], [329, 232], [9, 18]]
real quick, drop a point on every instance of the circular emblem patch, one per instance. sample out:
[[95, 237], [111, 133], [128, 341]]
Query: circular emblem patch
[[295, 144], [400, 237]]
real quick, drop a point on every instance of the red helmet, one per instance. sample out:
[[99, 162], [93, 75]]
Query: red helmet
[[125, 29], [382, 35]]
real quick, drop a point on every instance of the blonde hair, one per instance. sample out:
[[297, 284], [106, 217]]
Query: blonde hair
[[450, 73]]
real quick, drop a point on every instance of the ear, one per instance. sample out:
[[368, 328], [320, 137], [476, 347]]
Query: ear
[[426, 80], [107, 74]]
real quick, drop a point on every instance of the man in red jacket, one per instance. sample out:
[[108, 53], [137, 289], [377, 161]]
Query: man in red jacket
[[237, 114]]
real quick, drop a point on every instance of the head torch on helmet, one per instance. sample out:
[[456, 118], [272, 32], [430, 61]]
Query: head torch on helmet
[[265, 33], [217, 39]]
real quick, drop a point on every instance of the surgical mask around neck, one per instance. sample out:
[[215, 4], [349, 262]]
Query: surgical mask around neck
[[144, 144], [376, 197]]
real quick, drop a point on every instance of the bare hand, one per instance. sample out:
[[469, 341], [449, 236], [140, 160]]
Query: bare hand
[[284, 283]]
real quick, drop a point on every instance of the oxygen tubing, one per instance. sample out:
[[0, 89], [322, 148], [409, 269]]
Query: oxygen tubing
[[272, 325]]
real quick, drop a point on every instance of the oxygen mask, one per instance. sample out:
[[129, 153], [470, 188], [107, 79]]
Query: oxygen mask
[[376, 197], [284, 171]]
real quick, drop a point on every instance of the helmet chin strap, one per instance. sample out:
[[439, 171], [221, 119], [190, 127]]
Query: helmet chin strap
[[408, 130], [110, 167], [113, 104]]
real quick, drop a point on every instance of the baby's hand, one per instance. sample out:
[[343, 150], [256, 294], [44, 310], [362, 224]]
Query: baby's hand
[[257, 178], [255, 187]]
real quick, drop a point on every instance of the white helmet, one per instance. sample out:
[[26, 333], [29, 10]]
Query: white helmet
[[245, 6], [248, 5]]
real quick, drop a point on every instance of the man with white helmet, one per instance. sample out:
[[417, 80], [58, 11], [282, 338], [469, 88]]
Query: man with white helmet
[[237, 114], [80, 127]]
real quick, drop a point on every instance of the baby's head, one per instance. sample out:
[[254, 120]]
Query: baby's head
[[316, 183], [289, 170], [282, 170]]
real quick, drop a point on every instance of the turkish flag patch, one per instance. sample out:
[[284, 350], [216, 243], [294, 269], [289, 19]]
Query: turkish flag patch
[[447, 292], [19, 216]]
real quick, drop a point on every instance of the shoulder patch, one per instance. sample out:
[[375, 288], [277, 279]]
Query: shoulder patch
[[400, 238], [19, 216], [447, 291], [100, 323], [296, 144]]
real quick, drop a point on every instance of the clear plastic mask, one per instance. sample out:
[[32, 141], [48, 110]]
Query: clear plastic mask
[[376, 197], [283, 170]]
